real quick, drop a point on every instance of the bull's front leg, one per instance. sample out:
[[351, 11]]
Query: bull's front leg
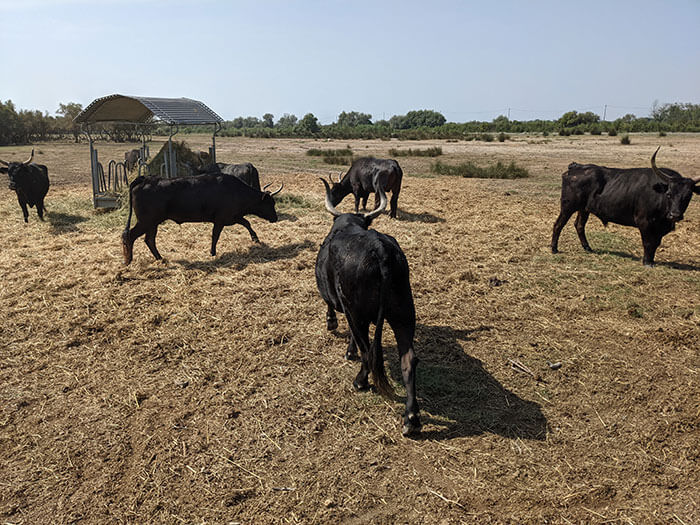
[[409, 362], [243, 222], [331, 319], [23, 205], [651, 242]]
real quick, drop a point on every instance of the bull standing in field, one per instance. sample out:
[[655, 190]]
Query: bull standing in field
[[31, 183], [651, 199], [364, 274], [359, 180], [220, 199]]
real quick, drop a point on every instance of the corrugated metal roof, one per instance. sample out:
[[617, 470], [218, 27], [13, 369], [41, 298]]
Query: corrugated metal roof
[[123, 108]]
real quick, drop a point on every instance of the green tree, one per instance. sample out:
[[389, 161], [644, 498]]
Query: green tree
[[354, 119], [67, 113], [308, 125], [268, 120], [287, 121]]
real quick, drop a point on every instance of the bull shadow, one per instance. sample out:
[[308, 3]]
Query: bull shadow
[[459, 396], [666, 264], [64, 222], [419, 217], [258, 253]]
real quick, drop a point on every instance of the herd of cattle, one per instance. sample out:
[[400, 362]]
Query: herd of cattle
[[361, 272]]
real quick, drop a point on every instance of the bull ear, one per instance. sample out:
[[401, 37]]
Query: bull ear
[[3, 170]]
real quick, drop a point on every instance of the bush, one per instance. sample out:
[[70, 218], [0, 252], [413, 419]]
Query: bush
[[563, 132], [347, 152], [612, 132], [662, 133], [625, 139], [486, 137], [545, 133], [428, 152], [471, 170], [595, 130], [502, 137], [342, 161]]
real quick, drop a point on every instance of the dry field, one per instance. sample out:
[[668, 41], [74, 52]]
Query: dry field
[[207, 390]]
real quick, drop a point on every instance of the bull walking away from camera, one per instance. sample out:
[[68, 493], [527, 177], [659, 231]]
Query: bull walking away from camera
[[364, 274]]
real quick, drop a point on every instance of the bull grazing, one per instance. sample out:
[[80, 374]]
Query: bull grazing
[[31, 183], [131, 159], [364, 274], [220, 199], [359, 180], [651, 199]]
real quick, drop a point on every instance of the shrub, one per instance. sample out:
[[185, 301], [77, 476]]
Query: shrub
[[595, 130], [625, 139], [612, 132], [428, 152], [545, 133], [347, 152], [662, 133], [486, 137], [333, 159], [563, 132], [471, 170], [502, 137]]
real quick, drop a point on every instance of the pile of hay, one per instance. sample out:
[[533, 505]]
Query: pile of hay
[[187, 159]]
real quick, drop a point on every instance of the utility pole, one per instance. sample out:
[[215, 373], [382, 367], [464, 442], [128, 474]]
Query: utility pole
[[508, 113], [605, 111]]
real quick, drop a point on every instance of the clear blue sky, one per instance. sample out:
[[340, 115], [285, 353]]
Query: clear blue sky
[[470, 60]]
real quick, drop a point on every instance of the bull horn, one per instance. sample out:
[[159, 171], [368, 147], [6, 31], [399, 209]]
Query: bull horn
[[382, 201], [276, 192], [329, 206], [339, 176], [330, 178], [266, 186], [657, 171], [5, 163], [30, 158], [696, 180]]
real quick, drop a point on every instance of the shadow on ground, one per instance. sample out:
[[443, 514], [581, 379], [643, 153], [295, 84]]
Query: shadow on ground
[[64, 222], [419, 217], [460, 395], [258, 253]]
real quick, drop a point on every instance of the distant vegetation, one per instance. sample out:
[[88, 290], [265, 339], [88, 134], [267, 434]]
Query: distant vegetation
[[427, 152], [26, 126], [471, 170], [347, 152]]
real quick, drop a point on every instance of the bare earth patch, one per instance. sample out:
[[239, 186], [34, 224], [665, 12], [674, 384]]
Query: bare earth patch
[[207, 390]]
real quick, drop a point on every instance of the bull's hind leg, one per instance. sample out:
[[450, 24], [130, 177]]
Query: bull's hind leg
[[331, 319], [393, 204], [40, 209], [409, 362], [361, 381], [25, 211], [215, 233], [151, 242], [561, 221], [128, 238], [580, 224]]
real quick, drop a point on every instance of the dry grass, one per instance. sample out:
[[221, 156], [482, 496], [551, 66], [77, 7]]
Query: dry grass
[[207, 390]]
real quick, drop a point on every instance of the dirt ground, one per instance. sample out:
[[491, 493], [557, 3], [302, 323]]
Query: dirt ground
[[207, 389]]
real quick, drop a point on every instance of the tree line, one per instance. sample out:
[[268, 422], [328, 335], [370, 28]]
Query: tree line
[[27, 126]]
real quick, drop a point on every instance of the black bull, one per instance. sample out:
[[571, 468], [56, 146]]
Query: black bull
[[245, 172], [651, 199], [31, 183], [364, 274], [220, 199], [359, 180]]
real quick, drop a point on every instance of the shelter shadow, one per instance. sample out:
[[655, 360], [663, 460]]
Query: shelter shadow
[[463, 398], [258, 253], [64, 222]]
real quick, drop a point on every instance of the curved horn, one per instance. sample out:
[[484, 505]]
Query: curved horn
[[329, 206], [276, 192], [339, 176], [657, 171], [696, 180], [30, 158], [382, 201], [266, 186], [5, 163]]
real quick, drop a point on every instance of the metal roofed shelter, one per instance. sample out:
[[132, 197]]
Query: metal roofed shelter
[[140, 112]]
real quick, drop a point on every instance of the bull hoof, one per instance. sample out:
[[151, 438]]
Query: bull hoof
[[351, 356], [360, 386], [411, 425], [331, 324], [588, 249], [554, 250], [127, 254]]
